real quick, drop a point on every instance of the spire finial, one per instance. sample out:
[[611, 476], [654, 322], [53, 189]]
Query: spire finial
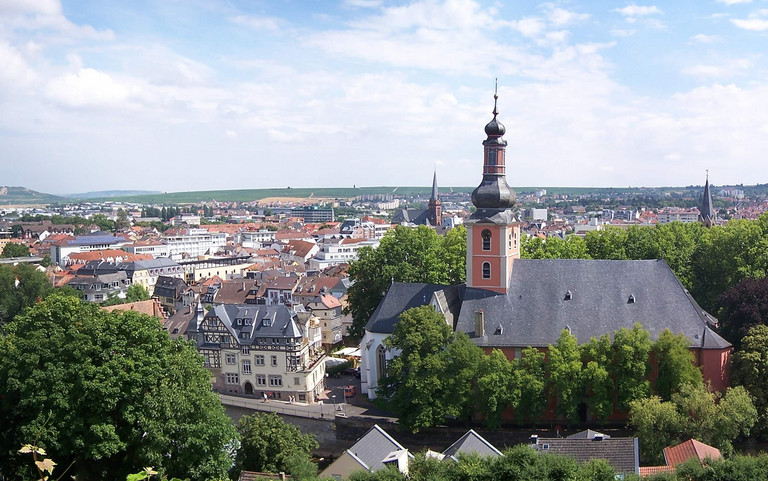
[[707, 170], [495, 95]]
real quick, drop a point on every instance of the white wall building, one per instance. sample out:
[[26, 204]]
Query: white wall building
[[194, 243], [338, 251]]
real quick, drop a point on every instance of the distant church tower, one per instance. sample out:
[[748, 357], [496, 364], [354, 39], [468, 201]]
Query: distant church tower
[[707, 214], [435, 206], [493, 233]]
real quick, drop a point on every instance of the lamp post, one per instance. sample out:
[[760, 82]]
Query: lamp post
[[334, 401]]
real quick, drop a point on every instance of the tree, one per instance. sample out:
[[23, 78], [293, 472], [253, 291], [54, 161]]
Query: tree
[[496, 387], [693, 412], [750, 369], [14, 249], [676, 366], [629, 364], [573, 247], [744, 306], [596, 378], [269, 444], [415, 382], [104, 224], [529, 375], [134, 293], [463, 360], [122, 222], [109, 391], [403, 255], [564, 373], [21, 286]]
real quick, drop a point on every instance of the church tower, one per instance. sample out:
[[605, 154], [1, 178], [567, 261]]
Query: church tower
[[435, 206], [707, 214], [493, 233]]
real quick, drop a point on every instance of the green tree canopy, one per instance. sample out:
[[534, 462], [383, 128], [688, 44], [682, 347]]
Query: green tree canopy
[[744, 306], [109, 391], [269, 444], [21, 286], [750, 369], [676, 364], [693, 412], [134, 293], [404, 255], [14, 249], [564, 371], [416, 382]]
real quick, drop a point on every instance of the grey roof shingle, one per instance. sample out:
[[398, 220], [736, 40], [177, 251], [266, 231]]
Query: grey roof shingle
[[605, 295], [621, 453], [471, 442], [402, 296], [373, 447]]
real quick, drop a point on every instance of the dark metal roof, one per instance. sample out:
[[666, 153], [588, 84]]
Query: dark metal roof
[[373, 447], [402, 296], [535, 309], [265, 321]]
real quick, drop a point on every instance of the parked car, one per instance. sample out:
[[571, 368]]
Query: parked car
[[349, 391]]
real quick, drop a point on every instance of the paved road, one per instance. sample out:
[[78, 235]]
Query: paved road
[[336, 404]]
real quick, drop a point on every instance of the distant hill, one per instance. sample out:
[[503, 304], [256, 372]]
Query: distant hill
[[22, 196], [109, 194]]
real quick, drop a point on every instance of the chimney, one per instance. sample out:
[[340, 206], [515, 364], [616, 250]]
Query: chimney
[[479, 323]]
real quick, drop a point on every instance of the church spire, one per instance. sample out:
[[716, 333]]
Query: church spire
[[707, 214], [493, 191], [435, 206]]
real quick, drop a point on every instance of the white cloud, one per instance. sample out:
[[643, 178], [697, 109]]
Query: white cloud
[[87, 88], [44, 7], [702, 38], [530, 27], [753, 24], [733, 2], [727, 69], [634, 10], [363, 3], [560, 17], [15, 71], [269, 24]]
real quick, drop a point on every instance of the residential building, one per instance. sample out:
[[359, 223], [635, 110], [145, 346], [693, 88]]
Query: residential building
[[152, 247], [259, 351], [328, 311], [100, 287], [193, 243], [621, 453], [173, 293], [338, 251], [260, 239], [678, 215], [147, 272], [61, 250], [313, 213], [375, 450]]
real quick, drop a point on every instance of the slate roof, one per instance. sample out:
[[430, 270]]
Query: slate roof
[[373, 447], [588, 434], [413, 216], [621, 453], [605, 295], [265, 321], [471, 442], [402, 296], [170, 287]]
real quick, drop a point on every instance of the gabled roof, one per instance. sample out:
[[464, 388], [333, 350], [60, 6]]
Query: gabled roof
[[402, 296], [149, 307], [265, 321], [471, 442], [374, 447], [588, 434], [621, 453], [690, 449], [589, 297]]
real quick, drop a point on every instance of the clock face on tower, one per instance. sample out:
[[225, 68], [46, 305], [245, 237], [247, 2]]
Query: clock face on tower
[[486, 235]]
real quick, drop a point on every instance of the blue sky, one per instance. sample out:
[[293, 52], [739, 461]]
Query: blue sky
[[203, 95]]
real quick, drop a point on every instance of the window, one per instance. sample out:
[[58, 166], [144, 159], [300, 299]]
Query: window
[[296, 381], [231, 359], [259, 359], [275, 380], [486, 270], [486, 235], [261, 380], [274, 361], [491, 157], [246, 350], [246, 367], [233, 378]]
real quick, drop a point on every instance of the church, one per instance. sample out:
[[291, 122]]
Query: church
[[509, 303]]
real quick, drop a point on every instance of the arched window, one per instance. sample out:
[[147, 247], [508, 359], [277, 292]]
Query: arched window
[[486, 235], [381, 361], [486, 270]]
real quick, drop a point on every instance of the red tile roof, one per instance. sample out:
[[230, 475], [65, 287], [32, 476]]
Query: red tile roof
[[688, 450], [646, 471]]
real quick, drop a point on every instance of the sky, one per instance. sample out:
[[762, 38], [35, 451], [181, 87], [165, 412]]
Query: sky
[[183, 95]]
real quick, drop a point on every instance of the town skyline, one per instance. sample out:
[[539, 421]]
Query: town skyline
[[362, 92]]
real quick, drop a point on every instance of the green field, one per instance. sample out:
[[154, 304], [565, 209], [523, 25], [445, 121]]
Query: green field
[[24, 196]]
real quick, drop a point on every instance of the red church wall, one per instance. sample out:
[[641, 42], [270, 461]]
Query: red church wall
[[715, 366]]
